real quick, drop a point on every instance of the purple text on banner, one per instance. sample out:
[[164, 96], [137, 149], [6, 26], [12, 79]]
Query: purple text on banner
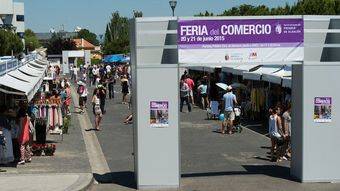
[[245, 31]]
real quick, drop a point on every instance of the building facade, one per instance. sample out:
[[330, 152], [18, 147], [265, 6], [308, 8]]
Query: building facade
[[12, 16]]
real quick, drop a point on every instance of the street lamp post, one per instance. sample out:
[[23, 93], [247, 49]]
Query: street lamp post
[[173, 4]]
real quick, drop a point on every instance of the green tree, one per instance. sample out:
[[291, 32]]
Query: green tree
[[116, 40], [10, 42], [89, 36], [57, 44], [301, 7], [137, 14], [31, 41]]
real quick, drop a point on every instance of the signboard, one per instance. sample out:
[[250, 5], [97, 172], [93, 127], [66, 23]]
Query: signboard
[[323, 109], [240, 40], [159, 114]]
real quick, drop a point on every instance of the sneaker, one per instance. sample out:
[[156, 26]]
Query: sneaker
[[21, 162]]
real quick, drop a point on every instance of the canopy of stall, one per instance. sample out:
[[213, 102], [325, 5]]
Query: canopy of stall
[[12, 85], [277, 77], [266, 69], [229, 68], [31, 71], [41, 62], [25, 81], [37, 66], [242, 68], [209, 69]]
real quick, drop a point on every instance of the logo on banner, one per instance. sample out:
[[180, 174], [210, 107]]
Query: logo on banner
[[233, 56], [253, 55], [227, 57], [278, 29]]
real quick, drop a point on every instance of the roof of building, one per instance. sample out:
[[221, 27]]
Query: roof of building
[[82, 43]]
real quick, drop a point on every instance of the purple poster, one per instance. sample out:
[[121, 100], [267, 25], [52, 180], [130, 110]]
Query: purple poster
[[240, 40], [159, 114], [323, 109]]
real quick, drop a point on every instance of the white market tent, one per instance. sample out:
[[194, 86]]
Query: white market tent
[[31, 71], [276, 78], [25, 80], [19, 87], [209, 69], [257, 74], [230, 68], [238, 70]]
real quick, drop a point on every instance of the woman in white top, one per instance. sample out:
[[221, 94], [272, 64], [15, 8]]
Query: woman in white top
[[275, 132], [96, 109]]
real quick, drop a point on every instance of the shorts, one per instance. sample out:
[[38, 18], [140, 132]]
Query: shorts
[[204, 95], [191, 93], [229, 116], [278, 139], [97, 111], [82, 100]]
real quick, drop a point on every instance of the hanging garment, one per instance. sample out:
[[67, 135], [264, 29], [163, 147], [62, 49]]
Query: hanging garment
[[6, 151], [47, 87], [24, 136], [55, 117], [60, 117], [50, 118]]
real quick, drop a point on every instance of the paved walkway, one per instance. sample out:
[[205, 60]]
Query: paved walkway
[[69, 169], [210, 161]]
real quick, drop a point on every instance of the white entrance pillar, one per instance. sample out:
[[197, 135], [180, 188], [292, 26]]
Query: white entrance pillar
[[155, 102]]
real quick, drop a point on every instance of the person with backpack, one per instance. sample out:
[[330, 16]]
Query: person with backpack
[[82, 92]]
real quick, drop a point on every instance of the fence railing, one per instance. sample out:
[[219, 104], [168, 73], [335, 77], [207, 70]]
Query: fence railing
[[12, 64]]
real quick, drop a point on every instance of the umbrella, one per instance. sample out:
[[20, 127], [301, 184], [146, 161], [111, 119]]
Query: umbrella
[[222, 85], [238, 85]]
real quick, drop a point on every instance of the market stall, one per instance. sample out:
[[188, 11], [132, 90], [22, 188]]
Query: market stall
[[277, 77], [257, 74]]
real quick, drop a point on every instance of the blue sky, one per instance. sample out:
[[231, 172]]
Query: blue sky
[[41, 15]]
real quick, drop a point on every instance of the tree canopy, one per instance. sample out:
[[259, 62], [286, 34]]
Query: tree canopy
[[116, 39], [9, 42], [57, 44], [89, 36], [302, 7], [31, 41]]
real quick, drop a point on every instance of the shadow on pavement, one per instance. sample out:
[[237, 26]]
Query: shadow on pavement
[[269, 170], [124, 178]]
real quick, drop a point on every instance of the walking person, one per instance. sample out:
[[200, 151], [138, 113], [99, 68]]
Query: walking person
[[202, 89], [111, 82], [82, 92], [229, 100], [125, 89], [90, 74], [184, 94], [68, 99], [287, 120], [191, 85], [275, 133], [96, 109], [102, 97]]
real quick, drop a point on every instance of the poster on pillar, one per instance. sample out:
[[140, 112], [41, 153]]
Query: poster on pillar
[[322, 109], [159, 114], [240, 40]]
